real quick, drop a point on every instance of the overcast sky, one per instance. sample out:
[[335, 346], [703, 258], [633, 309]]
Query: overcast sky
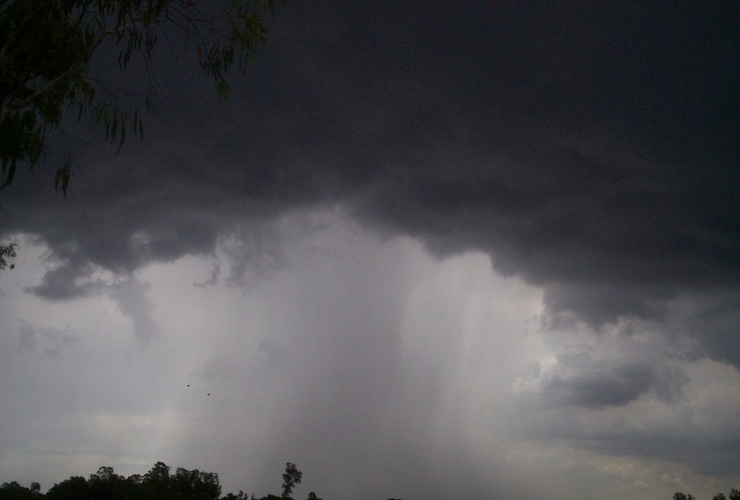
[[427, 250]]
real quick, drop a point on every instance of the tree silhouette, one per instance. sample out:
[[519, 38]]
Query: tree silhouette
[[14, 491], [733, 495], [7, 253], [45, 51], [683, 496], [291, 477], [46, 47], [74, 487]]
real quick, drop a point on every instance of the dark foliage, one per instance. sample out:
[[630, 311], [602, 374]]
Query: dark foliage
[[157, 484]]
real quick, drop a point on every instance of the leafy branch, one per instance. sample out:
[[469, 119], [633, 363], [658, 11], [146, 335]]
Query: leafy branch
[[45, 52], [7, 253]]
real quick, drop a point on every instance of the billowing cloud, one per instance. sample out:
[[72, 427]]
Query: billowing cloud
[[595, 160], [132, 301], [612, 372], [530, 254]]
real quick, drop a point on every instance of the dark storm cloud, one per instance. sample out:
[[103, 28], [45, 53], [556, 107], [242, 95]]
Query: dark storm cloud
[[588, 147], [585, 381], [611, 370], [715, 316], [67, 279]]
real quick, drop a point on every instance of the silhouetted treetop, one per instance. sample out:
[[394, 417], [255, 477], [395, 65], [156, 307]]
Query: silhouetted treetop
[[157, 484]]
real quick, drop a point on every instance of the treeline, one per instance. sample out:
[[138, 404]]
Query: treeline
[[732, 495], [157, 484]]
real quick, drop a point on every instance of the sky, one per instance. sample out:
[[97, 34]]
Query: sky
[[426, 250]]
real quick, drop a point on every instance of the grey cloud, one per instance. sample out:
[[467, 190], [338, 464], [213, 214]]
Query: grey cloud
[[589, 148], [613, 375], [618, 385], [716, 315], [50, 341], [212, 280], [624, 396], [596, 304], [715, 455], [68, 278], [131, 297], [253, 255]]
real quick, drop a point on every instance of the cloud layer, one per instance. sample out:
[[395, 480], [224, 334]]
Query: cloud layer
[[587, 149], [585, 152]]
